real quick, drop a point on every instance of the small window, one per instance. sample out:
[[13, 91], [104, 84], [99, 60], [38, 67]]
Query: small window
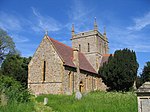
[[69, 80], [88, 47], [79, 47], [44, 70]]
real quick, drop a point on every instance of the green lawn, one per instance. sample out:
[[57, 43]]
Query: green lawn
[[93, 102]]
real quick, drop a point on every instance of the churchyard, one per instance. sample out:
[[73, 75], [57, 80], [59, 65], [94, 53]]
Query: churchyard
[[92, 102]]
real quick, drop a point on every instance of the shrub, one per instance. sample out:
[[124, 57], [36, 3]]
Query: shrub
[[13, 90]]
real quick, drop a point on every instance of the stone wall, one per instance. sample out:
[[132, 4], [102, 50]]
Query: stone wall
[[92, 82], [60, 79], [53, 69], [72, 81], [45, 88], [97, 46]]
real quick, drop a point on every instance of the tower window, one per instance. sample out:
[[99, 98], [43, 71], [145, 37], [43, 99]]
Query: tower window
[[79, 47], [44, 70], [88, 47]]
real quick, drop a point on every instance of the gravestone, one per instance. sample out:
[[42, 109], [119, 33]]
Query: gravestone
[[3, 99], [143, 97], [45, 101], [78, 95]]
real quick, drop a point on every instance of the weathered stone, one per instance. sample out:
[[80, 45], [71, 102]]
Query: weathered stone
[[45, 101], [3, 99], [78, 95], [93, 44], [143, 96]]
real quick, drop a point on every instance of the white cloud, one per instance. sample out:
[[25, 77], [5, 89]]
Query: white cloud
[[140, 22], [78, 11], [141, 48], [123, 38], [19, 39], [9, 22], [44, 22], [80, 16]]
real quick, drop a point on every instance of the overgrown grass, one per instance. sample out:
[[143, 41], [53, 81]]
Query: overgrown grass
[[15, 98], [18, 107], [31, 106], [93, 102]]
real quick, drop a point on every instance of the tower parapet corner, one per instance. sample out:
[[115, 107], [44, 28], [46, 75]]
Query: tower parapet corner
[[72, 31], [95, 25]]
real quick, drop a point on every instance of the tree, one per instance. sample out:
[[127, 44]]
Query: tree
[[17, 67], [145, 76], [120, 72], [139, 82], [6, 45]]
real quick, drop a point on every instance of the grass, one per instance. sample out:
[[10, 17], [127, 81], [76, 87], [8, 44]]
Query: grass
[[93, 102], [32, 106], [17, 107]]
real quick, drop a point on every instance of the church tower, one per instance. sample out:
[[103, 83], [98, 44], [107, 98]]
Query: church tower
[[92, 43]]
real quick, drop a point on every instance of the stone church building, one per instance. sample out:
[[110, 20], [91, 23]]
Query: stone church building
[[56, 68]]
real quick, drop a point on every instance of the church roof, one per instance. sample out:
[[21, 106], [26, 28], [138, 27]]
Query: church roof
[[66, 54], [104, 58]]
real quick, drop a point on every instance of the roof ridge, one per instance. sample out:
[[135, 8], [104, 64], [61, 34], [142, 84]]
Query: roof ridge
[[60, 42], [66, 52]]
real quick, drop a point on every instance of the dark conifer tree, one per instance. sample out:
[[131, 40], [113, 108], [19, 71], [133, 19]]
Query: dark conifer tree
[[17, 67], [145, 76], [120, 72]]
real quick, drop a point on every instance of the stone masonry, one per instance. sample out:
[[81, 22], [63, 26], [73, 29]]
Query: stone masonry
[[92, 43]]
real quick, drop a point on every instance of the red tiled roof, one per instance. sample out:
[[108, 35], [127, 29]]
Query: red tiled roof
[[104, 58], [66, 54], [84, 64]]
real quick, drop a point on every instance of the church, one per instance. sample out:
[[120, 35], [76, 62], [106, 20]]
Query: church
[[56, 68]]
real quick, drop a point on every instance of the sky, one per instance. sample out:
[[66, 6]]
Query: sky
[[127, 23]]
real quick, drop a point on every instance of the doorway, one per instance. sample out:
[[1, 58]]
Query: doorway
[[81, 86]]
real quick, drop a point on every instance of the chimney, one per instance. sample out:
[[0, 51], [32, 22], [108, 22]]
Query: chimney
[[76, 57], [76, 62]]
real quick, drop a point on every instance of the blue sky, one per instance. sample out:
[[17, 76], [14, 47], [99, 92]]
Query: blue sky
[[127, 22]]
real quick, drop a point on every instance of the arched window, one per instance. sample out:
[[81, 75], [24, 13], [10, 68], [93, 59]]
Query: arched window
[[79, 47], [88, 47]]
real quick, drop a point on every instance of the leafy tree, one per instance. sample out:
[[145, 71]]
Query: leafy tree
[[6, 45], [16, 67], [145, 76], [120, 72]]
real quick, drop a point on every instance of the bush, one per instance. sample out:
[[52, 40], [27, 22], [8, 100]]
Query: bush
[[13, 90]]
